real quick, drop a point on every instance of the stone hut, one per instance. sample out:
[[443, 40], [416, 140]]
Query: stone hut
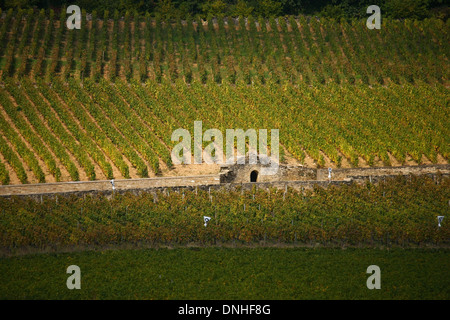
[[244, 173]]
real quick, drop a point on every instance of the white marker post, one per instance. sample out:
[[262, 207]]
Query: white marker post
[[329, 174], [440, 218]]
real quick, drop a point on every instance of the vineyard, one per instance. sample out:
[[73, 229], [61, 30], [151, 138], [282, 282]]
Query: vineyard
[[294, 50], [397, 212], [98, 130], [102, 102]]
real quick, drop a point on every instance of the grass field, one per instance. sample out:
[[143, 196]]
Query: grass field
[[230, 273]]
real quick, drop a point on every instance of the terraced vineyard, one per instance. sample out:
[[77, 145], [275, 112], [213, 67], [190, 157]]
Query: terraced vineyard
[[102, 102]]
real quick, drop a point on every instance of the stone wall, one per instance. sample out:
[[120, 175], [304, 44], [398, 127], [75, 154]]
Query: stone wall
[[340, 174], [242, 173], [106, 185], [297, 177], [282, 185]]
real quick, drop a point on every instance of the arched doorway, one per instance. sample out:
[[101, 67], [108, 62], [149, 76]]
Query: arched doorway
[[253, 176]]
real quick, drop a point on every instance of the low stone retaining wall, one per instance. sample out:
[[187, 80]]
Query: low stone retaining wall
[[205, 182], [340, 174], [106, 185]]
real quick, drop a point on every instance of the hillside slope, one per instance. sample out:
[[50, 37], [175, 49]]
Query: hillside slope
[[102, 102]]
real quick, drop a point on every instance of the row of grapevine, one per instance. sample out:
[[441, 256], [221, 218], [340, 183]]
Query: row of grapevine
[[147, 135], [109, 104], [93, 130], [13, 160], [158, 132], [56, 126], [387, 213], [32, 116], [86, 141], [249, 51], [21, 148], [30, 136], [106, 125], [4, 174], [95, 125]]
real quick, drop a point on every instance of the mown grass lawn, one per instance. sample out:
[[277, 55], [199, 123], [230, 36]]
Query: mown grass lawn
[[229, 273]]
